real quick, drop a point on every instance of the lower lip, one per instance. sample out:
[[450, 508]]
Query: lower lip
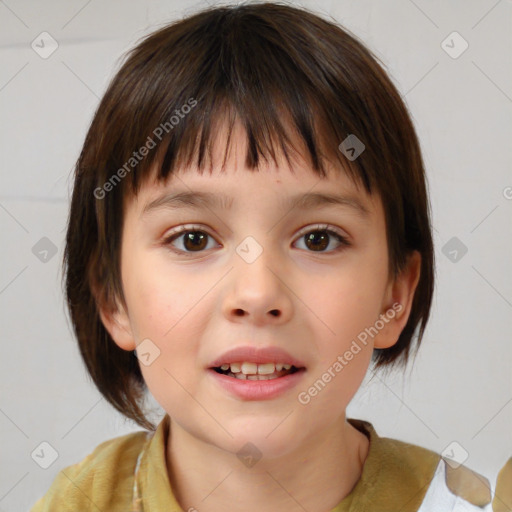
[[257, 389]]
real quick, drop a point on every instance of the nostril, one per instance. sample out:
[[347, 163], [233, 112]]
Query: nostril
[[273, 312]]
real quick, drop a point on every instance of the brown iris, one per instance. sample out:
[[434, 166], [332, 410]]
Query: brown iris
[[317, 237], [195, 240]]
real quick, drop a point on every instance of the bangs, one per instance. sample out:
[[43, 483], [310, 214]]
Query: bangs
[[182, 85], [272, 130]]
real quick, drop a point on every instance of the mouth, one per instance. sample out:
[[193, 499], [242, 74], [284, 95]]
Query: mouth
[[256, 373], [246, 370]]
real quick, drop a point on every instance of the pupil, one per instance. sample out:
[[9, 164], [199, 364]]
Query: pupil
[[198, 242], [318, 236]]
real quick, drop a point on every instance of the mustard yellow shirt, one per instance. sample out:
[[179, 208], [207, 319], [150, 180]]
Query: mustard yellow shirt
[[129, 473]]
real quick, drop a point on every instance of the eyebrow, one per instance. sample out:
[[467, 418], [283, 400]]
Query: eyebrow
[[207, 200]]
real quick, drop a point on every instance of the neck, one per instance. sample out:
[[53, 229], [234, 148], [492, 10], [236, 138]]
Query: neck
[[206, 478]]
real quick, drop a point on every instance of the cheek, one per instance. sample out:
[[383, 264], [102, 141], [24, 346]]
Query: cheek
[[156, 299], [164, 309], [348, 301], [149, 301], [170, 309]]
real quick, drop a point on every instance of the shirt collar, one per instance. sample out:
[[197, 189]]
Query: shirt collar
[[395, 475]]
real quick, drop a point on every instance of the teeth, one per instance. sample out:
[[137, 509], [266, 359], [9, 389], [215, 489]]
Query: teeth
[[242, 376], [235, 367], [249, 368], [243, 369], [266, 369]]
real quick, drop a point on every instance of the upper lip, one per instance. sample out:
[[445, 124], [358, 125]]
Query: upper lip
[[259, 355]]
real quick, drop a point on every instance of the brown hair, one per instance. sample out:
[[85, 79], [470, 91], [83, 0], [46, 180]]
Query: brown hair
[[261, 63]]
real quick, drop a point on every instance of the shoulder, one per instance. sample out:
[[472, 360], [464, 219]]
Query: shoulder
[[398, 461], [452, 486], [425, 480], [456, 488], [460, 483], [90, 482]]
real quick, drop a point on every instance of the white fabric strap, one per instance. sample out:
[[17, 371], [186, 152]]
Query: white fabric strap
[[439, 498]]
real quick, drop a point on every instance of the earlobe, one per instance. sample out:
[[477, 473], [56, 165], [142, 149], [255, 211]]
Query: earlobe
[[398, 302], [117, 323]]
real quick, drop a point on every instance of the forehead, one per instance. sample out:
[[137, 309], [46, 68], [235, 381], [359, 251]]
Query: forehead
[[267, 196], [231, 190], [228, 184]]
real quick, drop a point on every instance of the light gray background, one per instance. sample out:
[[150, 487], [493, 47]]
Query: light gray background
[[460, 388]]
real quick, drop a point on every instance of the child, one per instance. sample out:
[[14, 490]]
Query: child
[[250, 299]]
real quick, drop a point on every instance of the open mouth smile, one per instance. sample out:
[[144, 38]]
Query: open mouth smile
[[254, 371], [251, 373]]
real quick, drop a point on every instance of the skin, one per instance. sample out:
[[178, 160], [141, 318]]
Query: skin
[[189, 307]]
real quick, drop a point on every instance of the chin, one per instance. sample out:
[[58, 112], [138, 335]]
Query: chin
[[270, 435]]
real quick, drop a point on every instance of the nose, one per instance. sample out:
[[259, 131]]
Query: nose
[[258, 293]]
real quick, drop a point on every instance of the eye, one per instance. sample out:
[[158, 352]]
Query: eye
[[192, 239], [319, 238]]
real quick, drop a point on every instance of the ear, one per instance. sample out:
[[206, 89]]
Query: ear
[[398, 302], [117, 323]]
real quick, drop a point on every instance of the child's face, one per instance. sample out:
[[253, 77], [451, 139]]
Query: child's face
[[196, 306]]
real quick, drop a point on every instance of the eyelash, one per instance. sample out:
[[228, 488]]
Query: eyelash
[[318, 228]]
